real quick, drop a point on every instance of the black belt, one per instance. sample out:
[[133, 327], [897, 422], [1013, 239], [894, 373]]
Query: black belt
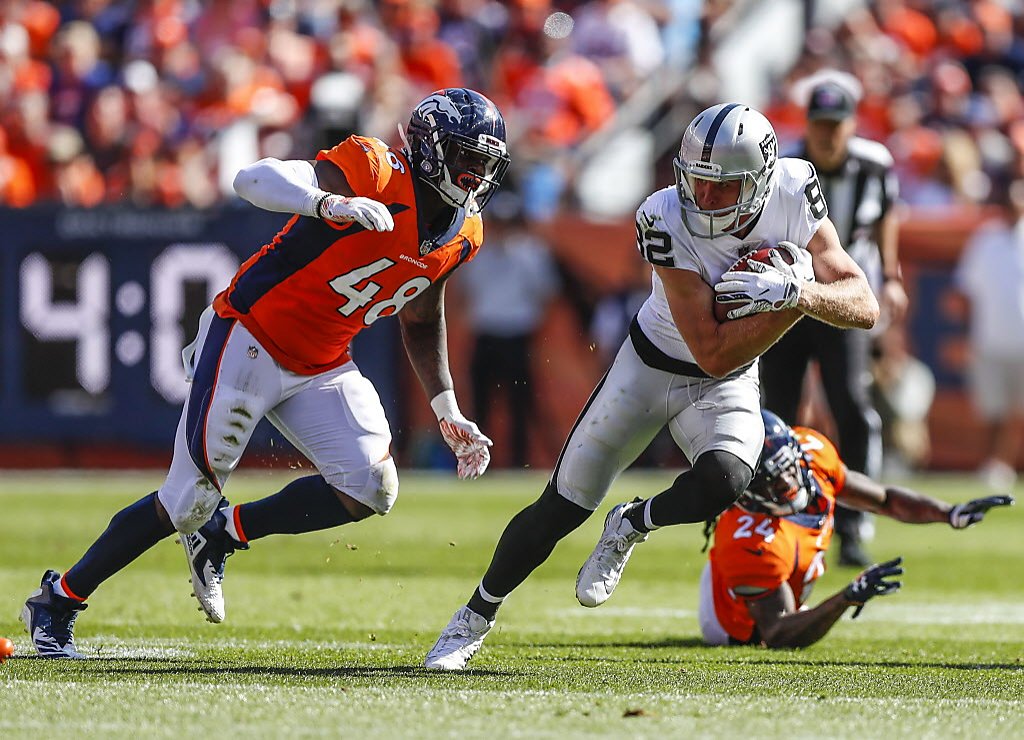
[[654, 357]]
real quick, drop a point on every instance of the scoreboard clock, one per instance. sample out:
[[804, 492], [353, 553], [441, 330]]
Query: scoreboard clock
[[97, 306]]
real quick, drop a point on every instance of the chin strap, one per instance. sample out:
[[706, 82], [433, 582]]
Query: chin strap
[[405, 142]]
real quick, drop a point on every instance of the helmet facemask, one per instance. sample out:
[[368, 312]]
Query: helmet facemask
[[728, 142], [781, 485], [465, 172], [712, 223]]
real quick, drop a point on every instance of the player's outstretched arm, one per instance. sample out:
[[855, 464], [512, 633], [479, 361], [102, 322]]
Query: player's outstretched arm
[[719, 348], [906, 505], [425, 336], [782, 625], [840, 294], [314, 189]]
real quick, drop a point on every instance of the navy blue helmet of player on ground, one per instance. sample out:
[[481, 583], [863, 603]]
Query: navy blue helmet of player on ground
[[782, 483], [457, 146]]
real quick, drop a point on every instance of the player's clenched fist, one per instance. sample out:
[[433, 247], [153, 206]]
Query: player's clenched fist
[[464, 437], [370, 214]]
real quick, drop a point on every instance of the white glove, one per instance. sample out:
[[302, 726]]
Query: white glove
[[762, 288], [371, 214], [801, 269], [464, 437]]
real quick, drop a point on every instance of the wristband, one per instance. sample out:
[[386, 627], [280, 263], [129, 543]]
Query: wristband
[[445, 406], [317, 212]]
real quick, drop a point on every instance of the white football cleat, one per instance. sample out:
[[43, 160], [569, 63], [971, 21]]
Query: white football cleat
[[207, 577], [601, 573], [207, 551], [459, 641]]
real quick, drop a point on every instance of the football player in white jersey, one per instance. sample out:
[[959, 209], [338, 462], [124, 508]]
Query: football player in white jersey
[[681, 366]]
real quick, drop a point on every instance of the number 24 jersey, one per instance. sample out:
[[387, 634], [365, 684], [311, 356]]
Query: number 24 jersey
[[317, 284], [763, 552]]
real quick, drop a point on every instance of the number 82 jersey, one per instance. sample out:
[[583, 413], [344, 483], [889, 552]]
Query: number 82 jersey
[[793, 211], [317, 284]]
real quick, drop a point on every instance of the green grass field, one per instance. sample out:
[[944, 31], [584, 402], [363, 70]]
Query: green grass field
[[326, 632]]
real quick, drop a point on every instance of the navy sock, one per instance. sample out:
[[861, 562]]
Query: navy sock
[[131, 532], [304, 505]]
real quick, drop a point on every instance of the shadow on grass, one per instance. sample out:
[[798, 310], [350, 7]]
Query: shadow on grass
[[745, 655], [417, 673]]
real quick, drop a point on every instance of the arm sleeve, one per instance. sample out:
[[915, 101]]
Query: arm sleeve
[[286, 186]]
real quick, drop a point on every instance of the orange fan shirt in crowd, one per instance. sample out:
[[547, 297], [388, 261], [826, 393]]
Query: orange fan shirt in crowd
[[307, 293], [765, 551]]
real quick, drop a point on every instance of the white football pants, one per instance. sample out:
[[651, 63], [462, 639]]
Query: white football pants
[[630, 406], [335, 419]]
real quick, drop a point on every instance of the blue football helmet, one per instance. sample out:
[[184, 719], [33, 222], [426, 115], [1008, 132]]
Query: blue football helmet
[[456, 141], [782, 483]]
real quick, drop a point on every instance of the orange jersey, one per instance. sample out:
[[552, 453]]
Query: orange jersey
[[759, 551], [308, 292]]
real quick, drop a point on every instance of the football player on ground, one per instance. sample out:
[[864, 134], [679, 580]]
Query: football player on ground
[[680, 366], [770, 546], [376, 231]]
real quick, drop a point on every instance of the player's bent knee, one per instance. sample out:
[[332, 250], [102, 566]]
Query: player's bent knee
[[559, 513], [189, 505], [722, 477], [375, 487]]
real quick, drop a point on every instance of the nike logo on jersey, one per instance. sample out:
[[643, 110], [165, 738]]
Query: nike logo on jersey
[[754, 552]]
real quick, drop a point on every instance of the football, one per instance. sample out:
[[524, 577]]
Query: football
[[6, 648], [742, 265]]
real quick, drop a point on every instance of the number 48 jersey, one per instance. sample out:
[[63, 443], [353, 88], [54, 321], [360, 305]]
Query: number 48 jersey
[[307, 293], [792, 212]]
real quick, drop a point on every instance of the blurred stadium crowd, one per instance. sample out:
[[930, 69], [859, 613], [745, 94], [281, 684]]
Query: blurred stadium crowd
[[157, 103]]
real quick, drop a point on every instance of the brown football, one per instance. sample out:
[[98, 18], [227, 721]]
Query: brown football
[[741, 265]]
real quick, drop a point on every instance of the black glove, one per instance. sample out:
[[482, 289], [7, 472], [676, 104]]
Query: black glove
[[872, 583], [964, 515]]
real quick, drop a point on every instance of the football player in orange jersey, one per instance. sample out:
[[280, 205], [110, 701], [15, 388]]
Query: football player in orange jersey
[[769, 547], [376, 232]]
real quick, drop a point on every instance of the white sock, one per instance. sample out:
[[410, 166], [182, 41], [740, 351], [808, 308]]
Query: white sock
[[489, 598], [59, 589], [229, 525], [651, 526]]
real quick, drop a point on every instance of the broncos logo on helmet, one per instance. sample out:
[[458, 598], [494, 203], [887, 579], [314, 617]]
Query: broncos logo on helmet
[[456, 142], [782, 484]]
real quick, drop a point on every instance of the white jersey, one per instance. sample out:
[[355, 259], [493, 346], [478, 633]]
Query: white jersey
[[792, 212]]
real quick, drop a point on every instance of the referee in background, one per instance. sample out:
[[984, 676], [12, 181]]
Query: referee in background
[[860, 189]]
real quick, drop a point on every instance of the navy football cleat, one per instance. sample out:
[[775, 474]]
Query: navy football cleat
[[207, 551], [50, 620]]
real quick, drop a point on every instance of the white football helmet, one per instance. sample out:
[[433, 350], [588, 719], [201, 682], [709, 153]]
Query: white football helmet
[[728, 141]]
